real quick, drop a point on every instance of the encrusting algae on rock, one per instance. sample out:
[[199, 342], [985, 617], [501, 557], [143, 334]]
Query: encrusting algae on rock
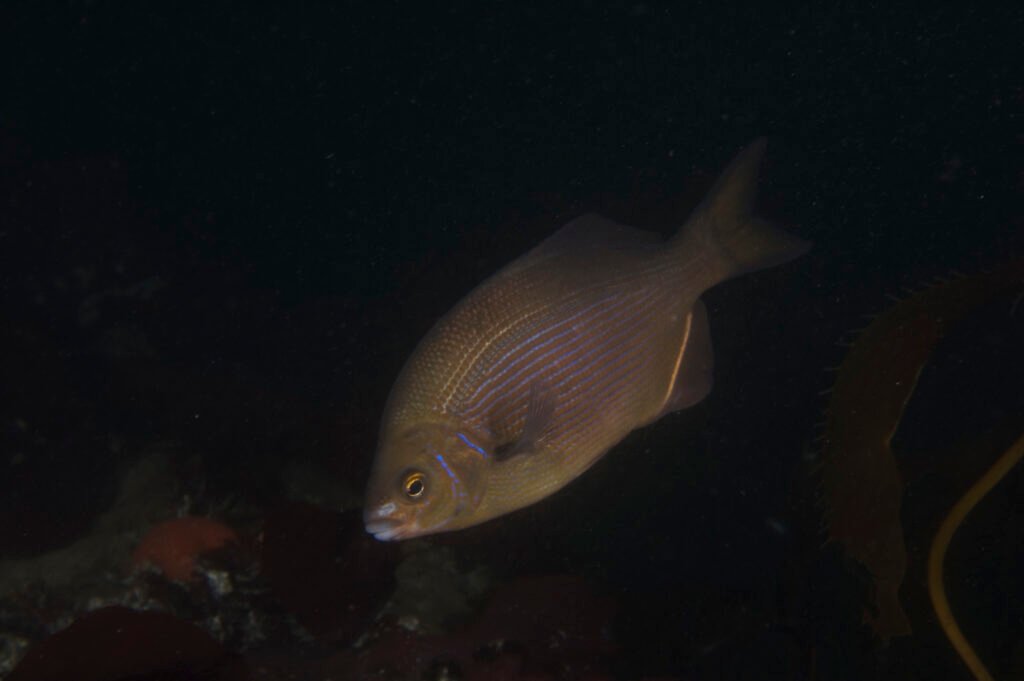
[[174, 546]]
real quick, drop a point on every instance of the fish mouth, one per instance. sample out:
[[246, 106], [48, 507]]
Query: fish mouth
[[385, 528]]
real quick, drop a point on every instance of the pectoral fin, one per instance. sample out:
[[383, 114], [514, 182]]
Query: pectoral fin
[[540, 413]]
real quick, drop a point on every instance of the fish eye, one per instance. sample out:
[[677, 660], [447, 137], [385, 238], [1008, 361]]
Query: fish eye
[[414, 485]]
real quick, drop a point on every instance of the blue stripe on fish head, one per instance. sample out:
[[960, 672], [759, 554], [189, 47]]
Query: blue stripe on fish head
[[472, 445]]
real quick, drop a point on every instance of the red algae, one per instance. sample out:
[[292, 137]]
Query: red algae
[[325, 570], [119, 643], [544, 628], [174, 545]]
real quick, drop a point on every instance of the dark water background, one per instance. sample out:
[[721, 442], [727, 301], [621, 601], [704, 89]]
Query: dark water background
[[226, 226]]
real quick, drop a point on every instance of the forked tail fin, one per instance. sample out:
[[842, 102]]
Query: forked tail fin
[[725, 229]]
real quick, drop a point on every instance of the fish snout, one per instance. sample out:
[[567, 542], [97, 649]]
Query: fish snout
[[384, 522]]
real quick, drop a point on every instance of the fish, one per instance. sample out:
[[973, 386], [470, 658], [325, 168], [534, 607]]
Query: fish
[[545, 366]]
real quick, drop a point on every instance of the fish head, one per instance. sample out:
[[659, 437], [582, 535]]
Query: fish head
[[428, 479]]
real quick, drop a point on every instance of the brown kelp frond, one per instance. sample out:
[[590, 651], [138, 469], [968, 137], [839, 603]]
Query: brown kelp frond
[[862, 486]]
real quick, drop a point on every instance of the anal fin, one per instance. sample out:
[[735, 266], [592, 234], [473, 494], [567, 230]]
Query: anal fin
[[692, 375]]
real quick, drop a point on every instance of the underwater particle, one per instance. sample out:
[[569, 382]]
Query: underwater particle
[[174, 545]]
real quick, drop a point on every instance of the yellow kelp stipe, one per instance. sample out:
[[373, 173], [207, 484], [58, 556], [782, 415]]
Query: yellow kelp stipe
[[937, 555]]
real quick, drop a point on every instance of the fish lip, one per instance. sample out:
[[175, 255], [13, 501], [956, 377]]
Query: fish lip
[[384, 530]]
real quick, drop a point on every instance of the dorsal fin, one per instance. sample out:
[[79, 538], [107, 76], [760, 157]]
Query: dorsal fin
[[579, 239], [591, 230]]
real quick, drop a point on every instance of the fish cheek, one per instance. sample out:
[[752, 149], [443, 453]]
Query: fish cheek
[[458, 486], [468, 476]]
